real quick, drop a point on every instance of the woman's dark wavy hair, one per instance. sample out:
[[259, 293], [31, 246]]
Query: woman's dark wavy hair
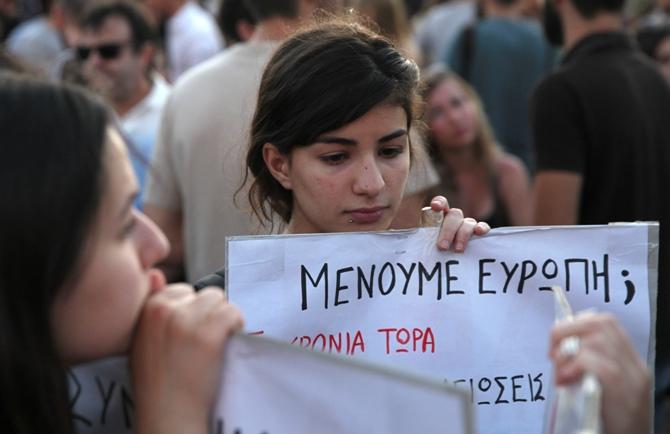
[[51, 180], [320, 80]]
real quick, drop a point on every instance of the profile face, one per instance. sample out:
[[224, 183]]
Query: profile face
[[95, 315], [452, 117], [351, 178]]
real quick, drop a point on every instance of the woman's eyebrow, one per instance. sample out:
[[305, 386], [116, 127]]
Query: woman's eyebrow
[[394, 135], [350, 142]]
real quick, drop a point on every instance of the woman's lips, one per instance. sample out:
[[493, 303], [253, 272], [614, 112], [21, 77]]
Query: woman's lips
[[462, 133], [367, 215]]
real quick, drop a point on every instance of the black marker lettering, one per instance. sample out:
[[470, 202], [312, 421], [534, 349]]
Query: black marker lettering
[[338, 285], [407, 274], [363, 282], [106, 397], [483, 274], [605, 275], [526, 274], [515, 387], [508, 274], [449, 278], [382, 290], [424, 274], [304, 274], [501, 386]]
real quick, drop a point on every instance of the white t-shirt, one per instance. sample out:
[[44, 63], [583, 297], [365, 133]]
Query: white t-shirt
[[199, 162], [141, 124], [37, 43], [192, 37]]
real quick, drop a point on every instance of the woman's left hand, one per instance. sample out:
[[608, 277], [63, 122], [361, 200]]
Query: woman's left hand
[[606, 351], [456, 230]]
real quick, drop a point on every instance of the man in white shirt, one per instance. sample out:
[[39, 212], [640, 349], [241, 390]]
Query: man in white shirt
[[191, 34], [199, 163], [116, 49]]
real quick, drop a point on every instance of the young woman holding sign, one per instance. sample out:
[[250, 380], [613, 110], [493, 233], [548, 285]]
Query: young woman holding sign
[[76, 276], [330, 152]]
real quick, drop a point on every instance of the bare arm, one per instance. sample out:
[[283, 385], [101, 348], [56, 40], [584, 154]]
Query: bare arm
[[171, 223], [556, 196]]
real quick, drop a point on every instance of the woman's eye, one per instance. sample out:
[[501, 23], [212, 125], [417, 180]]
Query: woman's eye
[[333, 158], [391, 152], [456, 102], [434, 114], [129, 227]]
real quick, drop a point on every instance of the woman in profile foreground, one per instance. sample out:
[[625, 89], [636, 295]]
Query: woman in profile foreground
[[77, 281]]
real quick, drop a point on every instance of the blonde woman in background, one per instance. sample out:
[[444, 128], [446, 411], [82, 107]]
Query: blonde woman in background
[[477, 174]]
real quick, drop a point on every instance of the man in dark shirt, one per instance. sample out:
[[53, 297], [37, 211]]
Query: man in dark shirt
[[602, 134]]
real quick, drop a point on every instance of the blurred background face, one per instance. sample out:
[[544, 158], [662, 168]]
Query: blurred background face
[[452, 117], [110, 63], [156, 7], [662, 56]]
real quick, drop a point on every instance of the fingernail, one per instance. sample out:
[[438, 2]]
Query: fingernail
[[459, 247], [444, 244]]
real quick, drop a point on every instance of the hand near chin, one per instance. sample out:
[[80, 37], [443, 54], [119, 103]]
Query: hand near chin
[[456, 230], [175, 358]]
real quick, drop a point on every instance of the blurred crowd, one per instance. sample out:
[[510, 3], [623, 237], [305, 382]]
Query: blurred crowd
[[534, 112]]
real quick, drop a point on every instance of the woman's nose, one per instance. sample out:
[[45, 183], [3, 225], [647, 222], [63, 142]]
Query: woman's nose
[[369, 180], [152, 243]]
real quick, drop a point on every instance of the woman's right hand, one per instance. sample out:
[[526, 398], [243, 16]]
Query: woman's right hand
[[176, 355], [456, 230]]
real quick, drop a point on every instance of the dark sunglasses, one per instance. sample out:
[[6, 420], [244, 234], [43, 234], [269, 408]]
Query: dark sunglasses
[[106, 51]]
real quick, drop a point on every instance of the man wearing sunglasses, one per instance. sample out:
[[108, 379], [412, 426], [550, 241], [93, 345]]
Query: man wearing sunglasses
[[116, 51]]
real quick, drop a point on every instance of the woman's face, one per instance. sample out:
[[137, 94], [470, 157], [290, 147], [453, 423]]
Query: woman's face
[[96, 315], [451, 117], [349, 179]]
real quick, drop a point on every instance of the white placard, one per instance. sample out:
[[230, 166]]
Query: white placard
[[478, 320], [270, 388]]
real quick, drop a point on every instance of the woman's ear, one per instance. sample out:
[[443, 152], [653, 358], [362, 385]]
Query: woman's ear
[[278, 165]]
